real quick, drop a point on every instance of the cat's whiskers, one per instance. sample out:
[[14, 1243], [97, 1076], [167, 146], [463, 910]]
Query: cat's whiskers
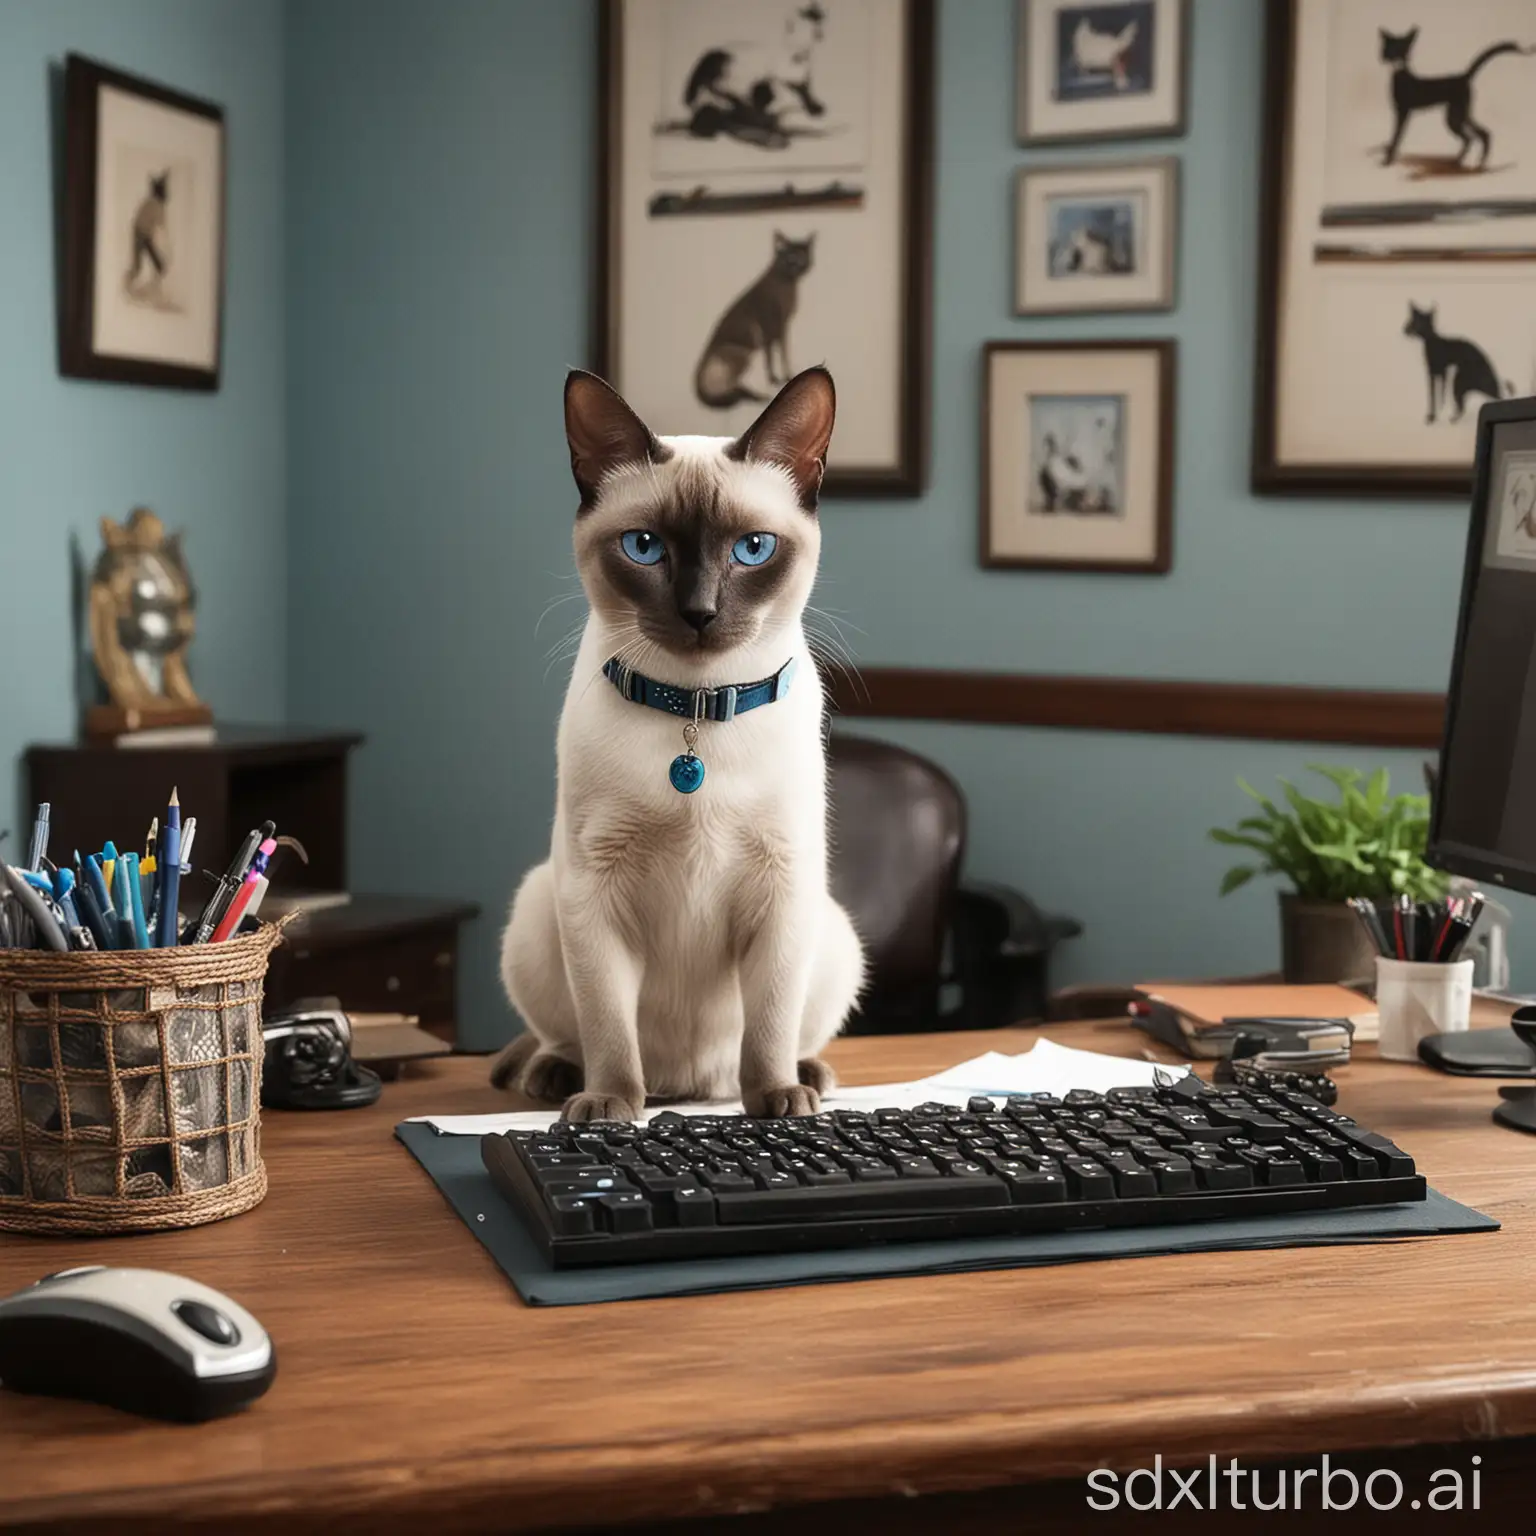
[[555, 602], [628, 646]]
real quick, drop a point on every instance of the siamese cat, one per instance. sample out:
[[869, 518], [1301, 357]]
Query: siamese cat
[[675, 943]]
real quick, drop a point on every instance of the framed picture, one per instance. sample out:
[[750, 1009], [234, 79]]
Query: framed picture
[[1397, 285], [1077, 455], [766, 196], [1095, 237], [1100, 69], [143, 258]]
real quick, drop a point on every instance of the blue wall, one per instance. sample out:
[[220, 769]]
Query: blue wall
[[440, 193], [72, 451], [441, 186]]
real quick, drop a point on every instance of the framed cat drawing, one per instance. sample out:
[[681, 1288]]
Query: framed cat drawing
[[1077, 455], [1100, 69], [143, 233], [1397, 287], [1094, 238], [766, 204]]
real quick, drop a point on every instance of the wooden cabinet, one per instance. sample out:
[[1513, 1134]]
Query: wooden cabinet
[[379, 954]]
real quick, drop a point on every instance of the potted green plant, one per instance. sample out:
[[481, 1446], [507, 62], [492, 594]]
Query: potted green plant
[[1364, 843]]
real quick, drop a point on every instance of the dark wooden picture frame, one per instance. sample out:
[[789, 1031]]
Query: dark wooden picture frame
[[1175, 129], [907, 476], [1161, 561], [1268, 473], [78, 358]]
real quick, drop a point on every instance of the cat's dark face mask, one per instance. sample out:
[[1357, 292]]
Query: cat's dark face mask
[[698, 597], [698, 547]]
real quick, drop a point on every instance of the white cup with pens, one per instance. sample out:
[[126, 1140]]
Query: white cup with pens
[[1423, 986]]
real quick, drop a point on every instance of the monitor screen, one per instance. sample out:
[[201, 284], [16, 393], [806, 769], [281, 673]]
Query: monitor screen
[[1484, 818]]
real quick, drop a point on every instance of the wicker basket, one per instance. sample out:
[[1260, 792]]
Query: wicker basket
[[130, 1086]]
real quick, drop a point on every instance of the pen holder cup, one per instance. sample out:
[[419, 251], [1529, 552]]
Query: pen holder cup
[[130, 1086], [1415, 998]]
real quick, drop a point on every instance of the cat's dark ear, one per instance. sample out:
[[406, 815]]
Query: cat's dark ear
[[779, 242], [603, 433], [1410, 37], [794, 431]]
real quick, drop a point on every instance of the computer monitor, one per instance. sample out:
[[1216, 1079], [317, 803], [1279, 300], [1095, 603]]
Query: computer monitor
[[1483, 821]]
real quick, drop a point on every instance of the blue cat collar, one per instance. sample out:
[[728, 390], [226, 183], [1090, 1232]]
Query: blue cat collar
[[718, 704]]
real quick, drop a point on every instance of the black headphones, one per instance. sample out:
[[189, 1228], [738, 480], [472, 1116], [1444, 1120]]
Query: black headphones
[[308, 1062]]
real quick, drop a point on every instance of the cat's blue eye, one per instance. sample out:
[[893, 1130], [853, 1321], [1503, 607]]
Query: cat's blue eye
[[754, 548], [642, 546]]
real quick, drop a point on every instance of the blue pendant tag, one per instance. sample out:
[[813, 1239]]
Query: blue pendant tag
[[686, 773], [687, 770]]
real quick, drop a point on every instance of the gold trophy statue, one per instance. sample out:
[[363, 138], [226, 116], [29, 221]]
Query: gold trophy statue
[[142, 621]]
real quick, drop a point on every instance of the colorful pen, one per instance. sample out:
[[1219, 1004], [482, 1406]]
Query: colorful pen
[[136, 896], [64, 894], [229, 886], [90, 910], [96, 881], [122, 900], [109, 864], [168, 877], [230, 922]]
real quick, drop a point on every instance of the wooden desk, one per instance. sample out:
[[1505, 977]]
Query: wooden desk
[[416, 1392]]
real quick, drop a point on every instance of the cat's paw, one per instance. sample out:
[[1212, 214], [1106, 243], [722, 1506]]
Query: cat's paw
[[774, 1103], [600, 1106], [550, 1078], [815, 1073]]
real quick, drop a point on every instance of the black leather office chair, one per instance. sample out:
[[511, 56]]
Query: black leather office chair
[[943, 954]]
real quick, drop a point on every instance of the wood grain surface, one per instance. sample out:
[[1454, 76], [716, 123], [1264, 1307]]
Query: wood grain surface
[[1145, 705], [415, 1391]]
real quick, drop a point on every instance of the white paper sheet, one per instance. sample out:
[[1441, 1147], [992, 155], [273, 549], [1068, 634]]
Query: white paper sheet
[[1044, 1068]]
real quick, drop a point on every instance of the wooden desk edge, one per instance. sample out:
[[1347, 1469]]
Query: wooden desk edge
[[514, 1490]]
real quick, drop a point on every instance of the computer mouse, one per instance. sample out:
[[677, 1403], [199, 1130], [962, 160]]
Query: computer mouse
[[136, 1339]]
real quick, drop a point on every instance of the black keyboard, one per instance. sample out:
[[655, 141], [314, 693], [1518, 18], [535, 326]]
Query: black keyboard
[[695, 1186]]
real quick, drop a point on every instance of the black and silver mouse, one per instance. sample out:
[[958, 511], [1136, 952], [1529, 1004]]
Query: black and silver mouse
[[136, 1339]]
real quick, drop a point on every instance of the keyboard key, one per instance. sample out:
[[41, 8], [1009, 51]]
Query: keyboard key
[[775, 1180], [860, 1199], [1088, 1181], [1175, 1176], [866, 1170], [570, 1181], [693, 1206], [966, 1171], [1213, 1175], [558, 1160], [570, 1216], [1029, 1186], [720, 1181], [1392, 1160], [625, 1211], [1132, 1181]]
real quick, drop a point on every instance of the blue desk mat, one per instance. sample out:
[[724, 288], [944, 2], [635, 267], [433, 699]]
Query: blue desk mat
[[453, 1162]]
